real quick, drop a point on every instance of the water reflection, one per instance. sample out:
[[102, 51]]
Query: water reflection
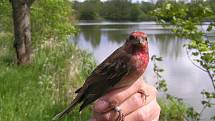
[[168, 44], [184, 80]]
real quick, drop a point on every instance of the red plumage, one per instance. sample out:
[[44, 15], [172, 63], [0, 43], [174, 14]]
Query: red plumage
[[122, 68]]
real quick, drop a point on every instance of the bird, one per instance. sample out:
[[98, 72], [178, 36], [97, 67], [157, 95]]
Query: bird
[[121, 69]]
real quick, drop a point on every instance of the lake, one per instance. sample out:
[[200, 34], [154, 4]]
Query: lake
[[183, 78]]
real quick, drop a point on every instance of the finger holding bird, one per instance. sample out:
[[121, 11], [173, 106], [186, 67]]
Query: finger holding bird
[[121, 69]]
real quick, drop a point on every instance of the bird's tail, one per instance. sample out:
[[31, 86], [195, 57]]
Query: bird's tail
[[65, 111]]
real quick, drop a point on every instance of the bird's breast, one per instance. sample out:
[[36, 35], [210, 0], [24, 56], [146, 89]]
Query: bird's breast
[[138, 64], [140, 61]]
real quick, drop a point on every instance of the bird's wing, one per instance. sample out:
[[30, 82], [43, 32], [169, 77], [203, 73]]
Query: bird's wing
[[117, 60], [105, 76], [115, 64]]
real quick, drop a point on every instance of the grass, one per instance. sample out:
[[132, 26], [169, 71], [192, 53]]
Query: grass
[[39, 91], [172, 109]]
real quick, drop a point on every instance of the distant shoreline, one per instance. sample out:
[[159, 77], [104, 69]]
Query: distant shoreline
[[97, 22]]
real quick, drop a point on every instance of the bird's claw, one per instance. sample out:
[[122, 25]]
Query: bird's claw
[[143, 94]]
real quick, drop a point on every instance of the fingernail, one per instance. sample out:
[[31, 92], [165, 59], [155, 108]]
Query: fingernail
[[92, 119], [101, 105]]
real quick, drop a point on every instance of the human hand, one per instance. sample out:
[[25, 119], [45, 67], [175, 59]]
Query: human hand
[[133, 104]]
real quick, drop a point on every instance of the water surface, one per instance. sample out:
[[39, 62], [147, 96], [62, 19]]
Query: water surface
[[183, 78]]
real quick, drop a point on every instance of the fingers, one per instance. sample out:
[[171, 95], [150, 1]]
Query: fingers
[[131, 104], [150, 112], [158, 116], [138, 100], [116, 97]]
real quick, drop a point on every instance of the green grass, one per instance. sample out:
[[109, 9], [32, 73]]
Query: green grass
[[172, 109], [39, 91]]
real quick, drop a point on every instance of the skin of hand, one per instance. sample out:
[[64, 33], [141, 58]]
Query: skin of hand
[[133, 105], [120, 70]]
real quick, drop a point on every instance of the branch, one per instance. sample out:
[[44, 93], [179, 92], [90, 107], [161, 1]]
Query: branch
[[211, 77], [205, 70], [193, 62], [209, 73], [203, 109]]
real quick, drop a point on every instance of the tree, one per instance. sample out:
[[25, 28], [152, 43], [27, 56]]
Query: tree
[[135, 12], [117, 10], [87, 10], [56, 26], [185, 19], [22, 30]]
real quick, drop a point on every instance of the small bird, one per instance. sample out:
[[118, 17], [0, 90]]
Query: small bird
[[121, 69]]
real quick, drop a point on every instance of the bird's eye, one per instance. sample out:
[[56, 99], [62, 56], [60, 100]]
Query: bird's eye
[[131, 37]]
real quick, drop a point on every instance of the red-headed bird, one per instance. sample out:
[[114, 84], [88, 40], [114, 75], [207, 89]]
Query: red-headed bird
[[122, 68]]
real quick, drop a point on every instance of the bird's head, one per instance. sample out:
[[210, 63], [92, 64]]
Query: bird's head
[[137, 41]]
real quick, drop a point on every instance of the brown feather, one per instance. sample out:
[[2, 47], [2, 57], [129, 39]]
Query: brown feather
[[123, 67]]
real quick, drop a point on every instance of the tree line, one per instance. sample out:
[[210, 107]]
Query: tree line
[[116, 10], [122, 10]]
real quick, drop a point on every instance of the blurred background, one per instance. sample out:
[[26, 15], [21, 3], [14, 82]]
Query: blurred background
[[41, 67]]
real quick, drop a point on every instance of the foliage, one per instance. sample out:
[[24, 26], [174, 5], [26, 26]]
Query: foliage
[[184, 19], [125, 10], [37, 92], [161, 82], [51, 19], [89, 10], [5, 16], [115, 10], [172, 109], [211, 4]]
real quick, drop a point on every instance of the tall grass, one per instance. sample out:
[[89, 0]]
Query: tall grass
[[39, 91], [172, 109]]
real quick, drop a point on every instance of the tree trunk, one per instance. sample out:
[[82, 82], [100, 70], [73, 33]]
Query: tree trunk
[[22, 42]]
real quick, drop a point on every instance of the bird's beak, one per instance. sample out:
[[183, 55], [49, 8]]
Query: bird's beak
[[141, 41]]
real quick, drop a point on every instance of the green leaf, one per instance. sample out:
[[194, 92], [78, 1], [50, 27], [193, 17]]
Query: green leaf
[[209, 27], [195, 53], [159, 58], [168, 6], [204, 102]]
